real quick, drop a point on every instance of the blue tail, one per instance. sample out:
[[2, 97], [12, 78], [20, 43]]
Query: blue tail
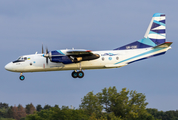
[[155, 34]]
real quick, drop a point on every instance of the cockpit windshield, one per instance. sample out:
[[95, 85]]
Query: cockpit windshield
[[20, 59]]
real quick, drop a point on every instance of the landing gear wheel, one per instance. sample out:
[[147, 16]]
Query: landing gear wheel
[[80, 74], [22, 77], [74, 74]]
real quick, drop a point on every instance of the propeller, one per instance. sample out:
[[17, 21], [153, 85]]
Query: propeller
[[46, 55]]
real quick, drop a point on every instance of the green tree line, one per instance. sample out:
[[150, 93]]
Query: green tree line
[[109, 104]]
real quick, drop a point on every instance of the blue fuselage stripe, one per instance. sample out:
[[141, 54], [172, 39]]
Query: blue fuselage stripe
[[151, 51]]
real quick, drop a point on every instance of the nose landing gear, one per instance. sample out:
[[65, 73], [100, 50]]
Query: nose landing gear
[[21, 77]]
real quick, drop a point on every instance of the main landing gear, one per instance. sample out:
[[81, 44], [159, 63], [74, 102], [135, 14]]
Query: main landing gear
[[78, 74], [21, 77]]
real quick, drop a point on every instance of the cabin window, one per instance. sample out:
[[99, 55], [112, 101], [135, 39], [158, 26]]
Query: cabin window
[[117, 58], [102, 58]]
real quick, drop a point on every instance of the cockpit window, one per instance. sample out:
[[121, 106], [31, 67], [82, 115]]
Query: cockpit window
[[20, 59]]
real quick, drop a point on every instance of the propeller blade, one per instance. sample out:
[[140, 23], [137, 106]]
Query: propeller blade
[[42, 49], [46, 60], [47, 53], [46, 50]]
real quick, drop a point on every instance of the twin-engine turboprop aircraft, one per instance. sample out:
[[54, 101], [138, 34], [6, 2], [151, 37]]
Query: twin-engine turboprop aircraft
[[153, 44]]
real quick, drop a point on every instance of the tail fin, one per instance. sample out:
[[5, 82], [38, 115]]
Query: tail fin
[[155, 34], [156, 31]]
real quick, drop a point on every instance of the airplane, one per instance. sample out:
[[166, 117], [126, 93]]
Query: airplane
[[152, 44]]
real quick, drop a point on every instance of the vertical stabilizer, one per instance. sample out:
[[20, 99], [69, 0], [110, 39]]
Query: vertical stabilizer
[[155, 34], [156, 31]]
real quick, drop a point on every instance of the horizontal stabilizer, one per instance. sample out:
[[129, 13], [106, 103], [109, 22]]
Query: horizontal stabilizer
[[163, 45]]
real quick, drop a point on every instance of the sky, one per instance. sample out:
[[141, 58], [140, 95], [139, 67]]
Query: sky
[[91, 25]]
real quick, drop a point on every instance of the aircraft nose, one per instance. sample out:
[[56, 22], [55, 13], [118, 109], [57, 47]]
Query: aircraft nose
[[9, 67]]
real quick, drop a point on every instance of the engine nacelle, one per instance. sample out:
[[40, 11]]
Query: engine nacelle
[[59, 58]]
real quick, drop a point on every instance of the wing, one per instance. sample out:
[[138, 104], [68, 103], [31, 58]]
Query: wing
[[78, 55], [78, 52]]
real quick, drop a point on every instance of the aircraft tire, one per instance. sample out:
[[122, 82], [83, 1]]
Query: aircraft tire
[[22, 77], [74, 74], [80, 74]]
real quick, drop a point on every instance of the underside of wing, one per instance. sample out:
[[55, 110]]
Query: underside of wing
[[78, 52], [81, 55]]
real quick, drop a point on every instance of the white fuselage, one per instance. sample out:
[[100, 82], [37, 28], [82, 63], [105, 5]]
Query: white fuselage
[[107, 59]]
